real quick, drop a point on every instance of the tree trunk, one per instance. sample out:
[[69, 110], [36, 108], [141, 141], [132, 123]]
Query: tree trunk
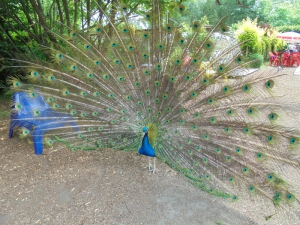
[[38, 8], [30, 22], [88, 13], [65, 4], [112, 18], [61, 18], [75, 13]]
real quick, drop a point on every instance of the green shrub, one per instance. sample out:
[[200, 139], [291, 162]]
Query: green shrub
[[258, 60], [274, 43], [287, 28], [259, 41], [281, 45], [249, 31], [251, 46], [267, 47]]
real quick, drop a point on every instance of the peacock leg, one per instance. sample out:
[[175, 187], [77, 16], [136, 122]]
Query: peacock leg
[[150, 168], [149, 165], [154, 165]]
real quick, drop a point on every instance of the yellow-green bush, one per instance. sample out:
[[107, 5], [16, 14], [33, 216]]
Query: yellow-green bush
[[251, 34], [258, 41], [267, 47]]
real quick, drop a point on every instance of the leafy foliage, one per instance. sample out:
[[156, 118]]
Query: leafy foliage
[[286, 28], [277, 12], [258, 41], [257, 60], [249, 33], [214, 12], [27, 25]]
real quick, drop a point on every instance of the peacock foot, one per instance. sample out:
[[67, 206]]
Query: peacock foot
[[150, 167]]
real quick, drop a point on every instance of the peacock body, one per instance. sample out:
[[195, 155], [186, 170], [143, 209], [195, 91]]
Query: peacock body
[[167, 94]]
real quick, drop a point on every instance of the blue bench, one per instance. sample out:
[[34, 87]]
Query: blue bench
[[35, 114]]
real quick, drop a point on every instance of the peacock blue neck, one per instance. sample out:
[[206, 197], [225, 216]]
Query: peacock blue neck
[[149, 139], [146, 148]]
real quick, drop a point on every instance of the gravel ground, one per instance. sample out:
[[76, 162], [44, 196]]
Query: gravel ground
[[103, 187]]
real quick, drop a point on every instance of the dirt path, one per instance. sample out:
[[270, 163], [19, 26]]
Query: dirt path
[[107, 187]]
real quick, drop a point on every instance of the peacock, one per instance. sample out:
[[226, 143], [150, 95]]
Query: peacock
[[185, 96]]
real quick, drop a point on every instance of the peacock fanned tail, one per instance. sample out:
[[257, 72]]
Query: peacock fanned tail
[[234, 138]]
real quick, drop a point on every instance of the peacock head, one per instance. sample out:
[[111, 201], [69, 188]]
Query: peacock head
[[145, 129]]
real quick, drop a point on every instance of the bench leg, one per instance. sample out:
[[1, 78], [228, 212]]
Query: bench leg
[[10, 133], [11, 128], [37, 138]]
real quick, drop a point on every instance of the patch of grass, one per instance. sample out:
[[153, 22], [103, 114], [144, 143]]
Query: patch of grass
[[5, 101], [4, 114], [5, 96]]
